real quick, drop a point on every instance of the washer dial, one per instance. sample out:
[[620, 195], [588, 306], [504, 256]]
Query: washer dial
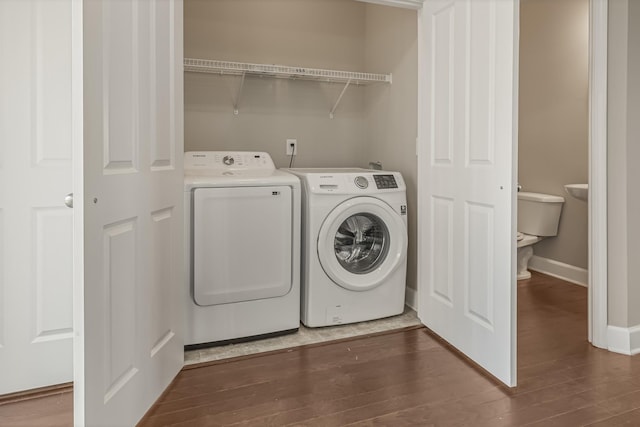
[[361, 182]]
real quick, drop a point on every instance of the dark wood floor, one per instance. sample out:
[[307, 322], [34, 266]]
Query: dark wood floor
[[405, 378]]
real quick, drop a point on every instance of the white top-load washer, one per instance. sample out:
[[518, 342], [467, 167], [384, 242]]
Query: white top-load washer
[[242, 223], [354, 245]]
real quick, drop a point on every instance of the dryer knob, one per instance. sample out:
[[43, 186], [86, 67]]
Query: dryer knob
[[228, 160], [361, 182]]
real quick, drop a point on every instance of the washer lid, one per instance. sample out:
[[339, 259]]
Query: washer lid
[[361, 242]]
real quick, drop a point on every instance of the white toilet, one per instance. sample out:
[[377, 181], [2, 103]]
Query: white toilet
[[538, 217]]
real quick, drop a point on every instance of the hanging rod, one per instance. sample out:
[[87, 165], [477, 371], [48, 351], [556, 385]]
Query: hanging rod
[[283, 71]]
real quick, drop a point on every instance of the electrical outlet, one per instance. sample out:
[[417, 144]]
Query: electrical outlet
[[292, 147]]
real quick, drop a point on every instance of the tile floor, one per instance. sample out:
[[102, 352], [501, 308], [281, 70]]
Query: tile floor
[[302, 337]]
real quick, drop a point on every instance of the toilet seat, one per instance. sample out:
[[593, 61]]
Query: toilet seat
[[519, 236], [527, 240]]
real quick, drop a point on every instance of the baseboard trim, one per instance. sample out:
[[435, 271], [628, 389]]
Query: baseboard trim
[[570, 273], [624, 340], [36, 393], [410, 298]]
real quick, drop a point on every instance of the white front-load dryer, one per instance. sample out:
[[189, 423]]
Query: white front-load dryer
[[354, 245], [242, 261]]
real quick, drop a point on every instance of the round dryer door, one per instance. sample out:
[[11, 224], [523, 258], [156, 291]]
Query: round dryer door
[[361, 242]]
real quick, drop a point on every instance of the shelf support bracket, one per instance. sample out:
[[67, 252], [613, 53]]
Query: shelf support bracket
[[339, 99], [238, 95]]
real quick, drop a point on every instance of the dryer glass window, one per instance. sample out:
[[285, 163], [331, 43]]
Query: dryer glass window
[[361, 243]]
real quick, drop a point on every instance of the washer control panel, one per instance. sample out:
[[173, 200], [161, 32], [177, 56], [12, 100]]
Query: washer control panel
[[350, 181], [385, 181]]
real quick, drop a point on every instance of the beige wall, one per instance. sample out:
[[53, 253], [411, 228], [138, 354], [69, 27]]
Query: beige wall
[[553, 117], [311, 33], [623, 154], [391, 46]]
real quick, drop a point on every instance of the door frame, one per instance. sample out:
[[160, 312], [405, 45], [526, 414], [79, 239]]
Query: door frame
[[597, 201], [77, 165]]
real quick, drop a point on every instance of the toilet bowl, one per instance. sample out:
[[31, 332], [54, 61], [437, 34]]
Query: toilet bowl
[[538, 217], [525, 252]]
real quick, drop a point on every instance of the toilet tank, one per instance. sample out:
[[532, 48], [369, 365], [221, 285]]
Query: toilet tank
[[539, 214]]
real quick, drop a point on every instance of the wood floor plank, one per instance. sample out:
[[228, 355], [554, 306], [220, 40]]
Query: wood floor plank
[[631, 418], [622, 404], [579, 417]]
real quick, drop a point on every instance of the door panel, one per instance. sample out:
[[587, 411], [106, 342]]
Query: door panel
[[36, 327], [118, 304], [133, 215], [478, 257], [53, 228], [161, 279], [466, 177], [442, 260], [162, 75]]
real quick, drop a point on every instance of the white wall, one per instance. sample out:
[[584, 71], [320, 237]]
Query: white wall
[[553, 108]]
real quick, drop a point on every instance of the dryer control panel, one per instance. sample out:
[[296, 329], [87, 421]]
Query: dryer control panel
[[226, 162]]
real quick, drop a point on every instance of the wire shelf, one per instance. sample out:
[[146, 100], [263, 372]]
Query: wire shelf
[[283, 71]]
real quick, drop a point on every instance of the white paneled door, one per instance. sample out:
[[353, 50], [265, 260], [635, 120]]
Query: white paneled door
[[468, 132], [130, 344], [35, 174]]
